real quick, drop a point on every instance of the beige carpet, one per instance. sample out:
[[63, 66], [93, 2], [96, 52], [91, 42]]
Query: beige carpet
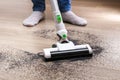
[[21, 47]]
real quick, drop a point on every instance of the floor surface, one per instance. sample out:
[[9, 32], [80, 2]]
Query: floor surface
[[21, 47]]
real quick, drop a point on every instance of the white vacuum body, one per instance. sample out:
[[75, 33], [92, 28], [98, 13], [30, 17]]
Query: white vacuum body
[[64, 48]]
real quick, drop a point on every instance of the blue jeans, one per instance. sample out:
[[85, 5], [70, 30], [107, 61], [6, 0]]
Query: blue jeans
[[39, 5]]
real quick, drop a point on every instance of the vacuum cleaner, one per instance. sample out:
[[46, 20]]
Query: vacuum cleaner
[[64, 48]]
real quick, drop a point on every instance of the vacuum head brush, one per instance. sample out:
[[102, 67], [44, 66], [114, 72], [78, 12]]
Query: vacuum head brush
[[67, 50]]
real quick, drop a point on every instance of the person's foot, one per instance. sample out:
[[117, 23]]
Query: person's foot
[[70, 17], [33, 19]]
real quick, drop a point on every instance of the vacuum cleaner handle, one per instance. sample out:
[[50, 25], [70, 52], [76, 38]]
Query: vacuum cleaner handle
[[61, 30]]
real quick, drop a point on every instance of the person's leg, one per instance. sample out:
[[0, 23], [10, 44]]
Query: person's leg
[[38, 5], [37, 14], [68, 15], [64, 5]]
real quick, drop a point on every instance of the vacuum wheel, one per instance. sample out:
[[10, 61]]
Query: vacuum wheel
[[54, 46]]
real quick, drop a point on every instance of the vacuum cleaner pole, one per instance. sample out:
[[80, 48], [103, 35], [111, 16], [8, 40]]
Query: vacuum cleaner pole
[[61, 30], [64, 48]]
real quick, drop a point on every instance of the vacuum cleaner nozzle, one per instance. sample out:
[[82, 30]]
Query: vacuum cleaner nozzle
[[67, 50]]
